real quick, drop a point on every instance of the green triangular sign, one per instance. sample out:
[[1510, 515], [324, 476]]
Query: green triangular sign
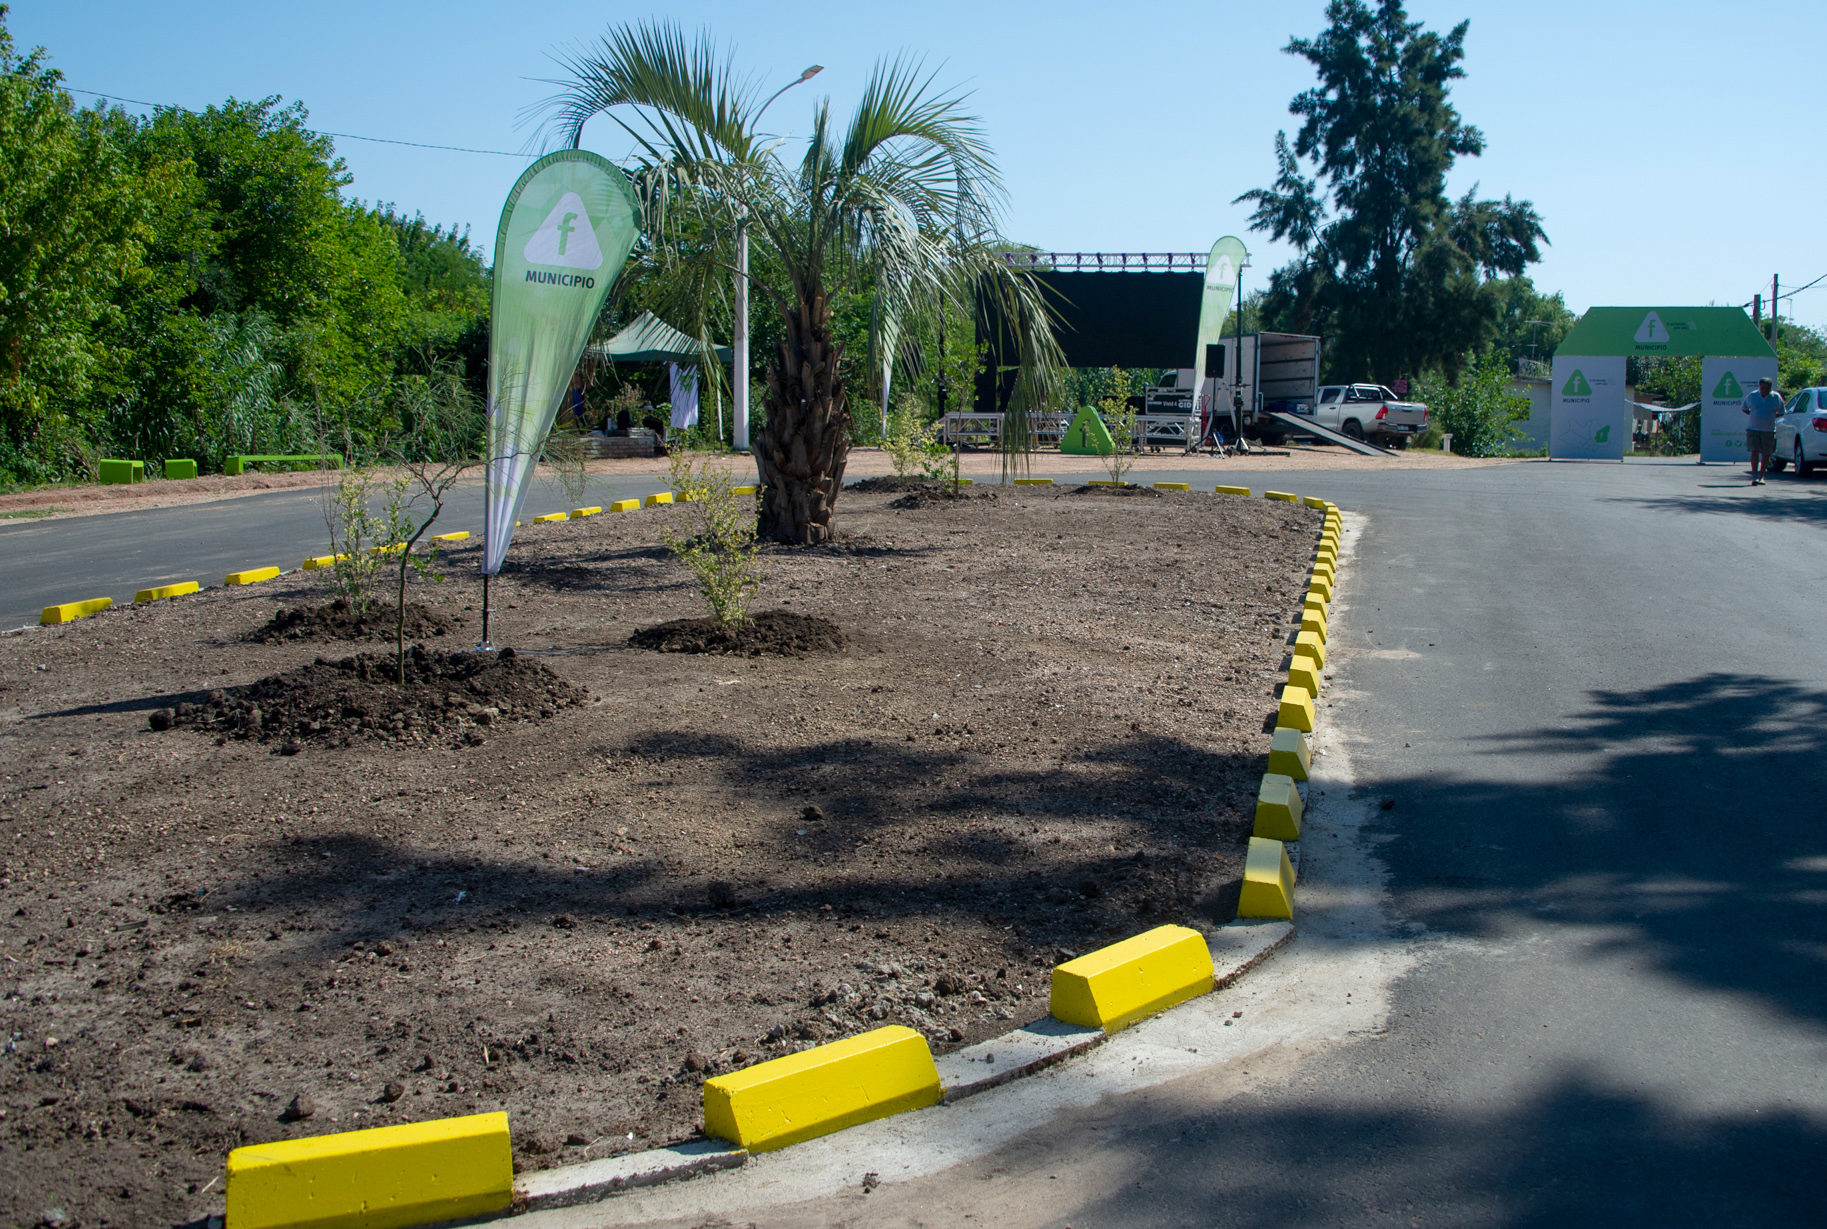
[[1728, 387], [1576, 385], [1087, 436]]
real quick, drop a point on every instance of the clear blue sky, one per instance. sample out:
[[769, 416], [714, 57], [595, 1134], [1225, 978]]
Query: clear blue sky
[[1671, 147]]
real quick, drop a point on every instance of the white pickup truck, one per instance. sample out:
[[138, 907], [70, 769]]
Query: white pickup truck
[[1369, 412]]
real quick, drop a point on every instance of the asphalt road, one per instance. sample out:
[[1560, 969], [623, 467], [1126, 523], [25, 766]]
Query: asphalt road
[[117, 554], [1597, 696]]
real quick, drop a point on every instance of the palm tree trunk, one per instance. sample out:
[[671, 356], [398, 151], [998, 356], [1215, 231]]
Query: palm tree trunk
[[801, 451]]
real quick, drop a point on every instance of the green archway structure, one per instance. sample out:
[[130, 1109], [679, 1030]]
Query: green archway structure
[[1590, 419]]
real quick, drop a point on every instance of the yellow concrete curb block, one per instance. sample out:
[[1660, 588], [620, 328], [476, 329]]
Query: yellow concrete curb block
[[1230, 490], [1314, 602], [319, 562], [1305, 674], [1033, 482], [1173, 486], [1325, 570], [395, 549], [1284, 496], [1296, 708], [821, 1090], [252, 576], [549, 517], [414, 1174], [69, 612], [165, 591], [745, 490], [664, 497], [1307, 642], [1315, 622], [462, 535], [1290, 754], [1314, 501], [1268, 881], [1278, 808], [578, 514], [1118, 985], [625, 505], [1320, 586]]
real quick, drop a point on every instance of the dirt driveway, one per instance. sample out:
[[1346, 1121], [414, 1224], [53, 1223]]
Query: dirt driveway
[[1043, 733]]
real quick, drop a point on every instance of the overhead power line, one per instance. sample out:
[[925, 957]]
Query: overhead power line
[[349, 136]]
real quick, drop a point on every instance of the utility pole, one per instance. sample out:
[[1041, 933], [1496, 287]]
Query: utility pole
[[1776, 328]]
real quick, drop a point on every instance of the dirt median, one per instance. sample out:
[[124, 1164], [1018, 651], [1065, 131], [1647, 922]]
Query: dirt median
[[1042, 732]]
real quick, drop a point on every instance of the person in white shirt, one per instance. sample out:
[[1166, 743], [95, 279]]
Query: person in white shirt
[[1761, 407]]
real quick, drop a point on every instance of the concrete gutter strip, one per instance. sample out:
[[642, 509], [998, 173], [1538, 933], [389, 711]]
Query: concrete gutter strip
[[969, 1071], [1236, 949], [1241, 946], [594, 1180]]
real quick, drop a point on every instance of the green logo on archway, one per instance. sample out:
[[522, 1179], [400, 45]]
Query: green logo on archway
[[1728, 387], [1604, 433], [1576, 385]]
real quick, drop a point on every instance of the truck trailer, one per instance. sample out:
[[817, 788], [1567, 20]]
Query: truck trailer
[[1277, 372]]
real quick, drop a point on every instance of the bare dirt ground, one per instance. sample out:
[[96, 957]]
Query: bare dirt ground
[[1043, 732], [980, 465]]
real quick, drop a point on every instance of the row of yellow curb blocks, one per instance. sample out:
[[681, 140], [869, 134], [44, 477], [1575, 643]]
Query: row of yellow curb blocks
[[1268, 878], [461, 1167], [70, 611]]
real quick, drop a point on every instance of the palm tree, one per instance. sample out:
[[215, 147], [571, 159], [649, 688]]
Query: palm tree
[[905, 200]]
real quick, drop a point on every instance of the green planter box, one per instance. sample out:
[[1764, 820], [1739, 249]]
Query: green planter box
[[180, 467], [123, 472]]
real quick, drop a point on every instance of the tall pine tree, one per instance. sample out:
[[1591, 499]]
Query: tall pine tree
[[1388, 267]]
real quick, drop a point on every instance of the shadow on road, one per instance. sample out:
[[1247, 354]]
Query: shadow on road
[[1786, 501], [1577, 1154], [1698, 825]]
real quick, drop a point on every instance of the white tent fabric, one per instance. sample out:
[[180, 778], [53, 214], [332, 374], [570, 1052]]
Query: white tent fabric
[[684, 395]]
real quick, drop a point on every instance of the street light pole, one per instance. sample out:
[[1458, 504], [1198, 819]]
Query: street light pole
[[739, 357]]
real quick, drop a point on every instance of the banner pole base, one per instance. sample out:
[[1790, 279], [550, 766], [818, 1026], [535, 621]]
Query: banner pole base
[[485, 646]]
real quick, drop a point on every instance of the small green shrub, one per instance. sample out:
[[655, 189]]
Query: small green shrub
[[720, 549]]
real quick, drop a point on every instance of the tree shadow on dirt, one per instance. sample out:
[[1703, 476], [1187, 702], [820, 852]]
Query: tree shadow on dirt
[[1576, 1153], [1698, 827], [1170, 861]]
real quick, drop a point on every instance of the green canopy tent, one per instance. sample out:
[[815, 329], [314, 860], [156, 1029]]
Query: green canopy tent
[[649, 339]]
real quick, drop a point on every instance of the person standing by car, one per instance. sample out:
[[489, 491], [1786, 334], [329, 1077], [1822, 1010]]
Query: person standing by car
[[1762, 407]]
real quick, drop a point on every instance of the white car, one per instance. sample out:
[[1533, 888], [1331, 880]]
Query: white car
[[1370, 411], [1801, 433]]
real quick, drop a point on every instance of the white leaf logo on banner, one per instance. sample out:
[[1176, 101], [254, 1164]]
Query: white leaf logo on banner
[[566, 238], [1651, 332]]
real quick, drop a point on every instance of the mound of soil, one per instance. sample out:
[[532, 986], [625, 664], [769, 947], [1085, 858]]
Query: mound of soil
[[1128, 488], [772, 632], [340, 620], [939, 497], [888, 484], [447, 696]]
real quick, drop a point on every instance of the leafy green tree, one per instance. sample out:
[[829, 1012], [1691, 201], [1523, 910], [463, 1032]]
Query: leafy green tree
[[902, 199], [1477, 407], [1390, 267], [1529, 325], [73, 224]]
